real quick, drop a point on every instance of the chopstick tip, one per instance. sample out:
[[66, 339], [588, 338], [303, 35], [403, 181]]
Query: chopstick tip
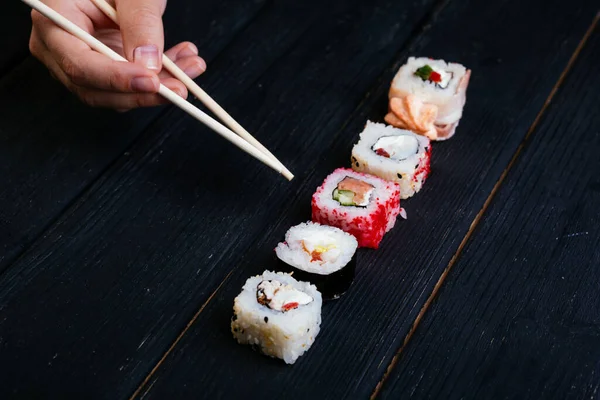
[[287, 174]]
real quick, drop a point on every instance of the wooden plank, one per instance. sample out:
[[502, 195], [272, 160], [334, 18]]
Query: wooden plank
[[362, 332], [50, 152], [14, 35], [519, 315], [52, 148], [115, 280]]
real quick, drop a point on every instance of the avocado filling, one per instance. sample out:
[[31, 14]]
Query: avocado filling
[[439, 77]]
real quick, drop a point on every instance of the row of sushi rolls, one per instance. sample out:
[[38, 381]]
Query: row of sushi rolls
[[279, 313]]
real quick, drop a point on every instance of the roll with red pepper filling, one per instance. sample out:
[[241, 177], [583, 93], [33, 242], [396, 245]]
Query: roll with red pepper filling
[[393, 154], [427, 96], [277, 315]]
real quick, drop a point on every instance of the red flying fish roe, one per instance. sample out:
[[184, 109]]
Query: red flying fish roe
[[368, 226], [424, 167]]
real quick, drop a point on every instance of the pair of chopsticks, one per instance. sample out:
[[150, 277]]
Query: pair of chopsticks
[[244, 141]]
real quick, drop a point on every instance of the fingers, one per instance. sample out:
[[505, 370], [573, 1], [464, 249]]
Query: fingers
[[81, 65], [176, 86], [142, 31], [192, 66], [84, 67], [100, 98], [93, 70], [183, 49], [185, 55], [120, 101], [96, 79], [85, 84], [127, 101]]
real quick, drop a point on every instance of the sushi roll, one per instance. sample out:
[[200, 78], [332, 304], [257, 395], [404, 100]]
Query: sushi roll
[[323, 255], [277, 315], [427, 96], [362, 205], [393, 154]]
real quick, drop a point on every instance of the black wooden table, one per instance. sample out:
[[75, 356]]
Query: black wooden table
[[125, 237]]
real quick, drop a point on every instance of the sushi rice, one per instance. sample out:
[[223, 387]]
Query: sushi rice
[[280, 332], [393, 154]]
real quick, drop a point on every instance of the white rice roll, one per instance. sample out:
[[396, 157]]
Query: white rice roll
[[277, 332], [334, 248], [393, 154], [323, 255], [449, 95]]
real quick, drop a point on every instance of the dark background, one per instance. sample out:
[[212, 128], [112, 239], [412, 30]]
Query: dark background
[[125, 237]]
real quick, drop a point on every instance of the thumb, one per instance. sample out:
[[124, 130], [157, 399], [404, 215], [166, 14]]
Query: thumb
[[142, 31]]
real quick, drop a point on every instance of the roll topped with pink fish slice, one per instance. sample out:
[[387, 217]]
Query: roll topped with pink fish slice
[[427, 97]]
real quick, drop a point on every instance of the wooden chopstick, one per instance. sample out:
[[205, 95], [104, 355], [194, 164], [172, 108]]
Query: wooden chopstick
[[196, 90], [189, 108]]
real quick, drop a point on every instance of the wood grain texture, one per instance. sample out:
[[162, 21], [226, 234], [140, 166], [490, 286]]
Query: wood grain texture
[[52, 149], [15, 26], [519, 316], [466, 239], [362, 332], [111, 285], [49, 152]]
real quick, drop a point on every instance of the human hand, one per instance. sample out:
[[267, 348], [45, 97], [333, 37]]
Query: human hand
[[96, 79]]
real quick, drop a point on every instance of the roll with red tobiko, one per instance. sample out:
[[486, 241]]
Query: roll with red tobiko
[[363, 205]]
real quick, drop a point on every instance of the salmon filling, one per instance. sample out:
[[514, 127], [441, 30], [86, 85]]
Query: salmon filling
[[353, 192]]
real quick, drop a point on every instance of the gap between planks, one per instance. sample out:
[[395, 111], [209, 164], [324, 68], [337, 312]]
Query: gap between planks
[[181, 334], [486, 204], [423, 26]]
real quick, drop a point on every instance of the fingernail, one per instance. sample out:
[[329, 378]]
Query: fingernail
[[147, 56], [195, 69], [144, 84]]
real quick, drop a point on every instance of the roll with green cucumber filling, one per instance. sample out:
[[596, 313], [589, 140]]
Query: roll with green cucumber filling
[[323, 255]]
